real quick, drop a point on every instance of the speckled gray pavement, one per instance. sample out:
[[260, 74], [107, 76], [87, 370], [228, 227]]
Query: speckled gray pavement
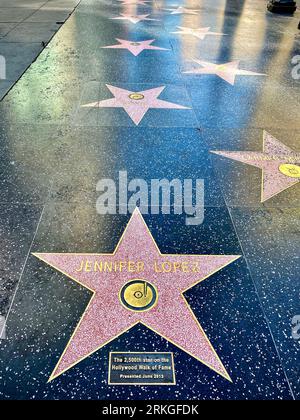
[[54, 150], [2, 328]]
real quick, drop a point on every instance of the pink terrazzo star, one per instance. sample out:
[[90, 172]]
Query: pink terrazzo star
[[182, 11], [227, 71], [134, 2], [279, 163], [136, 47], [132, 18], [200, 33], [136, 104], [106, 318]]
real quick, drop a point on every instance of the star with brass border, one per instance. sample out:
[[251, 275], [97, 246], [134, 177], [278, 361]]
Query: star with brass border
[[132, 18], [138, 285], [136, 104], [136, 47], [280, 165], [182, 11], [226, 71], [200, 33]]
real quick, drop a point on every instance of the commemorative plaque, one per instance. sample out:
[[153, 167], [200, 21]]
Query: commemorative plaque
[[127, 368]]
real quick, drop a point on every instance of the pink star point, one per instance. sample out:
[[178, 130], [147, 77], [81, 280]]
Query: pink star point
[[136, 104], [274, 154], [132, 18], [134, 2], [226, 71], [183, 11], [106, 318], [136, 47], [200, 33]]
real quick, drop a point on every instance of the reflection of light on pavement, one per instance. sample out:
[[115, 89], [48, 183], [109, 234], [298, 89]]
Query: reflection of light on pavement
[[24, 153], [276, 63], [130, 9], [2, 328]]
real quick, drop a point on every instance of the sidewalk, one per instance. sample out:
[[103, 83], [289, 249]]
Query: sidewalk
[[161, 94], [26, 26]]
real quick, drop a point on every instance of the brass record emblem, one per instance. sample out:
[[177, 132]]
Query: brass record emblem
[[138, 295], [136, 96], [222, 67], [293, 171]]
